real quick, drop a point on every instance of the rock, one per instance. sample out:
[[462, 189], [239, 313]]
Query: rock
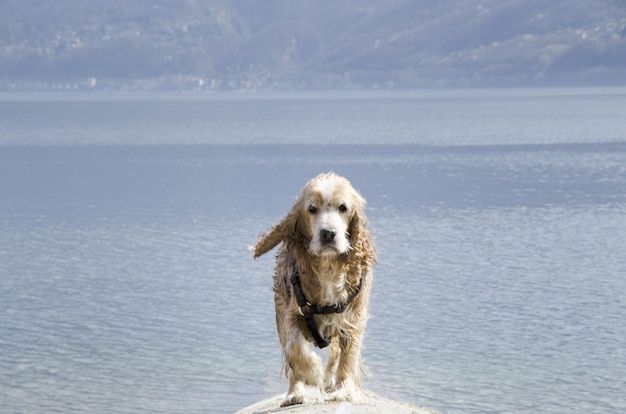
[[315, 404]]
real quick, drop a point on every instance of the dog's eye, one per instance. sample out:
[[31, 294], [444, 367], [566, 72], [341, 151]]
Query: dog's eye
[[343, 208], [312, 209]]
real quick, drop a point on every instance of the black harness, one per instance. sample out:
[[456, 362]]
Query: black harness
[[308, 310]]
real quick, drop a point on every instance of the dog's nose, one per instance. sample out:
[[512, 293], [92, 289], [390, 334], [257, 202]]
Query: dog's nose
[[327, 235]]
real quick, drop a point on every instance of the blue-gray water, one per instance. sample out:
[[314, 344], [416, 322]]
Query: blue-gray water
[[126, 284]]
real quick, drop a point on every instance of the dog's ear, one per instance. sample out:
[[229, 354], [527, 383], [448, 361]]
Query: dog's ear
[[291, 228], [276, 234], [360, 238]]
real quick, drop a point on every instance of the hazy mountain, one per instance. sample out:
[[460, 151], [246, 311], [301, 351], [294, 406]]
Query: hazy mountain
[[248, 44]]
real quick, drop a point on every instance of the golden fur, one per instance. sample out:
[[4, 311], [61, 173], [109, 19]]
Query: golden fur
[[325, 237]]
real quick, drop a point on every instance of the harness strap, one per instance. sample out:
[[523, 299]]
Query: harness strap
[[309, 310]]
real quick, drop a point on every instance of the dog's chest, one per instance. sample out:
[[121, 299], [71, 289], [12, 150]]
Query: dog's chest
[[333, 292]]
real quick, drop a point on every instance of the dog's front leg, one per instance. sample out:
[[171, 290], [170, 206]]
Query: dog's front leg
[[330, 376], [304, 366], [348, 376]]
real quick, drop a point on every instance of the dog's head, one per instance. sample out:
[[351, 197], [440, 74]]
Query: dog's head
[[327, 219], [328, 204]]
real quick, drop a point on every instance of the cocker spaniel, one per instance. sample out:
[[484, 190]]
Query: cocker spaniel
[[322, 284]]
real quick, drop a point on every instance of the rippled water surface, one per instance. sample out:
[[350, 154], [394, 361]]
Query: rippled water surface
[[126, 284]]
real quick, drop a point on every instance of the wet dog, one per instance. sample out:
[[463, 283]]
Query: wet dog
[[322, 284]]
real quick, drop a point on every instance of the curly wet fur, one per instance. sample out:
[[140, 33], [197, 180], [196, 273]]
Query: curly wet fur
[[330, 270]]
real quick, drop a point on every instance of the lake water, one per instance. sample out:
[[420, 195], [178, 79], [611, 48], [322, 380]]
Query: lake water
[[126, 284]]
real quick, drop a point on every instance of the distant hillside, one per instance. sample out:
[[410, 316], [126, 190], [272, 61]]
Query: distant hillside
[[286, 44]]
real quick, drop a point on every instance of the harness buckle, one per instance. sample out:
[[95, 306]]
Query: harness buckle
[[308, 306], [339, 308]]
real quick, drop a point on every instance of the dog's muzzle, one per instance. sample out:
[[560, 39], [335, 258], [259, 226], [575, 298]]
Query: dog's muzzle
[[327, 237]]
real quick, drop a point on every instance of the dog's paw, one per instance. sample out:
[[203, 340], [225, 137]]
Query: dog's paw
[[329, 384], [345, 391], [293, 399], [338, 396]]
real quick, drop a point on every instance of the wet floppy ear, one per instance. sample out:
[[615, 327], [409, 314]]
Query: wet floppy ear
[[357, 224], [277, 233], [360, 238], [292, 228]]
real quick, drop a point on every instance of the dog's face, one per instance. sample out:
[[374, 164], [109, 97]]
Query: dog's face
[[329, 203], [326, 220]]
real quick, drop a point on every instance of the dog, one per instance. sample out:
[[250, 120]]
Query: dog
[[322, 284]]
